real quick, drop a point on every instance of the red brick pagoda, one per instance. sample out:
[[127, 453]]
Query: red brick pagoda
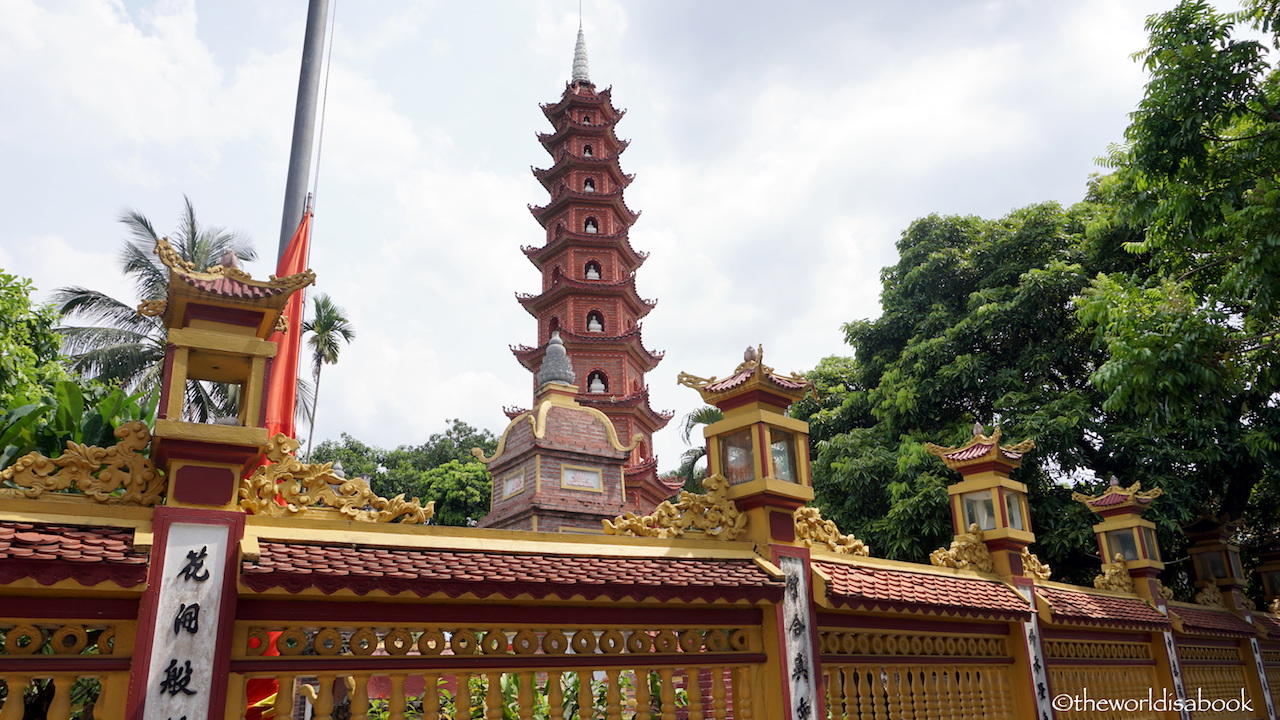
[[588, 276]]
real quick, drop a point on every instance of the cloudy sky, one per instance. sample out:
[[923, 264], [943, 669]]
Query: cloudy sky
[[779, 148]]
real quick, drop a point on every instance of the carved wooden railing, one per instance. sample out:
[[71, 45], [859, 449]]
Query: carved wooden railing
[[68, 664], [1115, 666], [879, 673], [695, 664]]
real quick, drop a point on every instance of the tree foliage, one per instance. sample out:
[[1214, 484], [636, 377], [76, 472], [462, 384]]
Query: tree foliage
[[441, 469], [1195, 345], [978, 325], [29, 345], [1135, 333]]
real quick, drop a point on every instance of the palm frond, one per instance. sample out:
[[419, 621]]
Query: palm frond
[[704, 415], [101, 309]]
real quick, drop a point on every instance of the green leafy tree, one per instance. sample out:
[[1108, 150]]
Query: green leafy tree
[[978, 325], [121, 347], [328, 329], [29, 364], [1195, 345], [441, 469]]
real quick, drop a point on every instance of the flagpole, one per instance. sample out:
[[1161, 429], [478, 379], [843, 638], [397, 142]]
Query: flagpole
[[304, 123]]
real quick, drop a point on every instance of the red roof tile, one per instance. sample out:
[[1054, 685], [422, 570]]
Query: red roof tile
[[88, 554], [892, 589], [362, 569], [230, 287], [1206, 621], [734, 381], [1269, 623], [1079, 607]]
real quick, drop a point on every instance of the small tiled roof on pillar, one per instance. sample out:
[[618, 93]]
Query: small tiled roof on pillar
[[750, 380], [224, 285], [1116, 498], [982, 449]]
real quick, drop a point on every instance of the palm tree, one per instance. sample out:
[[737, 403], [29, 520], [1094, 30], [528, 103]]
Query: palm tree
[[119, 345], [329, 329], [704, 415]]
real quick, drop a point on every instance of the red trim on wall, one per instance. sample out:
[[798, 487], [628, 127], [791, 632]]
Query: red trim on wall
[[752, 396], [60, 608], [87, 664], [1055, 634], [862, 622], [203, 485], [782, 527], [922, 660], [1090, 662], [166, 378], [230, 316], [261, 610]]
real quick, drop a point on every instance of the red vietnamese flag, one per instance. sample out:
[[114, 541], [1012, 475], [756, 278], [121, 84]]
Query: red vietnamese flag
[[282, 387]]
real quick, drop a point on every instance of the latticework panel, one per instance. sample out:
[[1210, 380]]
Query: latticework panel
[[1109, 683], [868, 691]]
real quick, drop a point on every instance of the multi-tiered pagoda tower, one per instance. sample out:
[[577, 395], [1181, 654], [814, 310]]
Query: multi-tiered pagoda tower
[[588, 274]]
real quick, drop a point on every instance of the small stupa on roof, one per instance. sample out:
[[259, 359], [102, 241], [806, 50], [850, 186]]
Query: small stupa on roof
[[559, 467]]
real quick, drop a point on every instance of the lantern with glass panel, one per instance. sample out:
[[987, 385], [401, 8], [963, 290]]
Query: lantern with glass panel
[[1124, 533], [762, 453], [986, 497]]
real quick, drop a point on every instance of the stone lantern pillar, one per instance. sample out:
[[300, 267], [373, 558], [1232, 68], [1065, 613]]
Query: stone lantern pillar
[[1216, 561], [762, 454], [988, 505], [1269, 570], [1125, 538]]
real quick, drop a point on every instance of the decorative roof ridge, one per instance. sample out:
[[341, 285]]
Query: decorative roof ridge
[[560, 197], [171, 259], [981, 448], [752, 369], [1088, 590], [1116, 495]]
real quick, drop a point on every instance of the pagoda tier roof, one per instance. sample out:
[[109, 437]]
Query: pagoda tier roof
[[635, 404], [531, 357], [563, 286], [565, 161], [562, 237], [563, 195], [615, 145], [602, 100], [406, 571]]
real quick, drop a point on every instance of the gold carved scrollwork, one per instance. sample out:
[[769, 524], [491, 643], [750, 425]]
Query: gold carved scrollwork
[[1165, 592], [282, 323], [1115, 576], [117, 475], [1274, 607], [1032, 567], [1210, 595], [814, 531], [712, 514], [966, 551], [152, 308], [303, 486]]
